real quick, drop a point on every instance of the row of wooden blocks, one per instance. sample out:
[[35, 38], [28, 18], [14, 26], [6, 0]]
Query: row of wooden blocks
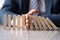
[[36, 23]]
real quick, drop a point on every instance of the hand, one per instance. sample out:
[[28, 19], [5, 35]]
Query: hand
[[27, 21]]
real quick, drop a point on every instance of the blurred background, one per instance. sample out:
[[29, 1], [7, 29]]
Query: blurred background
[[1, 3]]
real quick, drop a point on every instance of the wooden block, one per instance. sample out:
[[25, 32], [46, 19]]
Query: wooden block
[[18, 24], [39, 23], [35, 23], [31, 24], [51, 23], [9, 21], [14, 22], [47, 24], [4, 22], [42, 23], [23, 22]]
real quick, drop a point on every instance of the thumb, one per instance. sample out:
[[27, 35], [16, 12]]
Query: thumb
[[33, 11]]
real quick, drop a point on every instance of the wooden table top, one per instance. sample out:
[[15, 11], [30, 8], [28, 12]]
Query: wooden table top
[[28, 35]]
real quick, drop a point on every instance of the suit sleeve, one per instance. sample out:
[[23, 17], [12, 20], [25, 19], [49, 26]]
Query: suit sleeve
[[55, 18], [6, 9]]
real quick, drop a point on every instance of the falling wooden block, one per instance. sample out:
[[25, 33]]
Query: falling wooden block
[[39, 23], [4, 22], [47, 24], [43, 24], [35, 23], [31, 23], [51, 23], [9, 21]]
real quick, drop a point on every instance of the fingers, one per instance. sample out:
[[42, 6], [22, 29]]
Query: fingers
[[33, 11], [27, 23], [27, 20]]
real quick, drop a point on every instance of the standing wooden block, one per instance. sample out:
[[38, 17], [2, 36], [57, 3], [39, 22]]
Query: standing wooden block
[[47, 24], [51, 23], [42, 22], [18, 22], [35, 23], [9, 21], [14, 22], [4, 22], [23, 22]]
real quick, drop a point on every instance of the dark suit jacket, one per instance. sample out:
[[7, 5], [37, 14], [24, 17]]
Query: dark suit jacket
[[22, 6]]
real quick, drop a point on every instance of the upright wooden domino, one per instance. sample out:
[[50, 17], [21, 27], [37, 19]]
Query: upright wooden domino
[[9, 21], [14, 22], [18, 22], [5, 24], [21, 24]]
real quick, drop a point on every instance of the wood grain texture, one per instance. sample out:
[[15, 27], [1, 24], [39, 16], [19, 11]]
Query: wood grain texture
[[51, 23], [9, 21], [14, 22], [47, 24], [5, 24], [42, 23]]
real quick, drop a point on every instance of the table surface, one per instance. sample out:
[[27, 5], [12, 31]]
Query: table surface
[[28, 35]]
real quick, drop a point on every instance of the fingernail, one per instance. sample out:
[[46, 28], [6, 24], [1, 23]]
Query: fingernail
[[27, 21], [27, 25]]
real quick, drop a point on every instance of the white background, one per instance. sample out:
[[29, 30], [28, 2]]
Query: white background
[[1, 3]]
